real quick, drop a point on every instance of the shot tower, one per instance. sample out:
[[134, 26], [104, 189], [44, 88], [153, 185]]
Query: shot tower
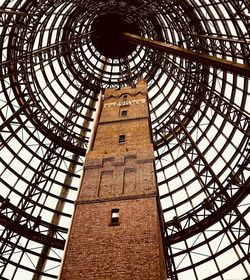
[[58, 58], [117, 208]]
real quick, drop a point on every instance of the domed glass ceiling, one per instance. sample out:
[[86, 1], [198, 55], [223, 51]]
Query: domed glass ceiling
[[54, 67]]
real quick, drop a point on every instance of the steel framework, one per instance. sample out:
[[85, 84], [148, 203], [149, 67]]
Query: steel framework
[[53, 72]]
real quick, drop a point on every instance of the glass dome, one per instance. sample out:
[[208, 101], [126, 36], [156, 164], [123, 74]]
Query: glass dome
[[54, 67]]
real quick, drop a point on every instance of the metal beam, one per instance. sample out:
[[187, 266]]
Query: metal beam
[[220, 38], [223, 64], [71, 40], [18, 13], [30, 233], [67, 182]]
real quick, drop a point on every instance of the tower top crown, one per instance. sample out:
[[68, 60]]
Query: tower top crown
[[141, 87]]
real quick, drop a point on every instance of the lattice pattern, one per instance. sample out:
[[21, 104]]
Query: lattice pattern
[[51, 80]]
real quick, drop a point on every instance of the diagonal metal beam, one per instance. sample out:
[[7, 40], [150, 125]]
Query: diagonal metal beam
[[18, 13], [223, 64]]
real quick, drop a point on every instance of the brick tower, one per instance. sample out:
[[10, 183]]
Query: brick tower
[[116, 230]]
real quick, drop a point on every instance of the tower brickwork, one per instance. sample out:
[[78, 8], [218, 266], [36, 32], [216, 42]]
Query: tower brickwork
[[116, 230]]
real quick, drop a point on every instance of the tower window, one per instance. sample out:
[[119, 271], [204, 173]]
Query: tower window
[[124, 113], [114, 217], [121, 138]]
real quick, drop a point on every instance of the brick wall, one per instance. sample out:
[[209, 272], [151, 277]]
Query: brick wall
[[118, 177]]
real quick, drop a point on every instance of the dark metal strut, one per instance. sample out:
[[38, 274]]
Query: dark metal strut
[[206, 59]]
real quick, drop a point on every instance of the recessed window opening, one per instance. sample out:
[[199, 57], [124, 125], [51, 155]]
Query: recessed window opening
[[122, 138], [124, 113], [115, 216]]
